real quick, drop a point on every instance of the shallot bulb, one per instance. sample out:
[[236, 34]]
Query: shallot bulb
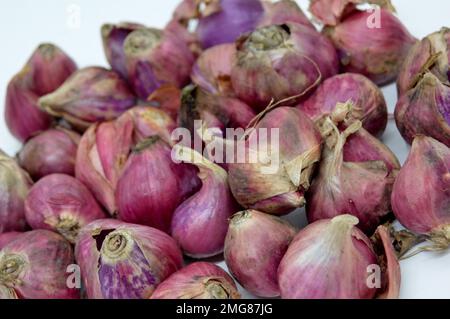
[[276, 181], [14, 186], [152, 186], [44, 72], [361, 187], [254, 246], [124, 261], [280, 62], [6, 238], [425, 109], [199, 280], [206, 213], [430, 54], [90, 95], [155, 58], [375, 49], [331, 12], [102, 153], [223, 21], [113, 36], [50, 152], [369, 105], [62, 204], [332, 259], [168, 99], [35, 266], [421, 193]]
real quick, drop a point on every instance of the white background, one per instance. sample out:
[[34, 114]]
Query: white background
[[26, 23]]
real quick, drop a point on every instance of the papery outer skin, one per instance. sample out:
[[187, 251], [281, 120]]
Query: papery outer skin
[[150, 121], [212, 71], [7, 293], [387, 258], [419, 57], [276, 192], [425, 109], [43, 275], [14, 186], [368, 100], [102, 154], [374, 52], [205, 214], [113, 36], [332, 12], [292, 67], [361, 188], [215, 111], [421, 194], [152, 185], [328, 260], [168, 99], [50, 152], [255, 244], [191, 283], [45, 71], [232, 19], [155, 58], [6, 238], [22, 115], [364, 147], [90, 95], [283, 11], [162, 258], [62, 204]]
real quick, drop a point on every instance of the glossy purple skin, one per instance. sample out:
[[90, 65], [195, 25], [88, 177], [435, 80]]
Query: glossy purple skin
[[204, 216], [190, 283], [116, 284], [22, 115], [90, 95], [14, 186], [43, 274], [113, 40], [424, 207], [235, 18], [51, 152], [44, 72], [59, 199], [152, 185], [254, 246], [374, 52], [425, 110], [369, 103], [132, 269], [319, 267], [6, 238]]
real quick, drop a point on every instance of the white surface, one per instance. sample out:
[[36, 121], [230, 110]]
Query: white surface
[[26, 23]]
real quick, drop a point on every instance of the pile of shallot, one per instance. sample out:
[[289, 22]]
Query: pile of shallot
[[197, 141]]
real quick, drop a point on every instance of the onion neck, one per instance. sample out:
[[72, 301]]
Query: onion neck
[[142, 41], [10, 268], [116, 246], [216, 289], [268, 38], [69, 227]]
